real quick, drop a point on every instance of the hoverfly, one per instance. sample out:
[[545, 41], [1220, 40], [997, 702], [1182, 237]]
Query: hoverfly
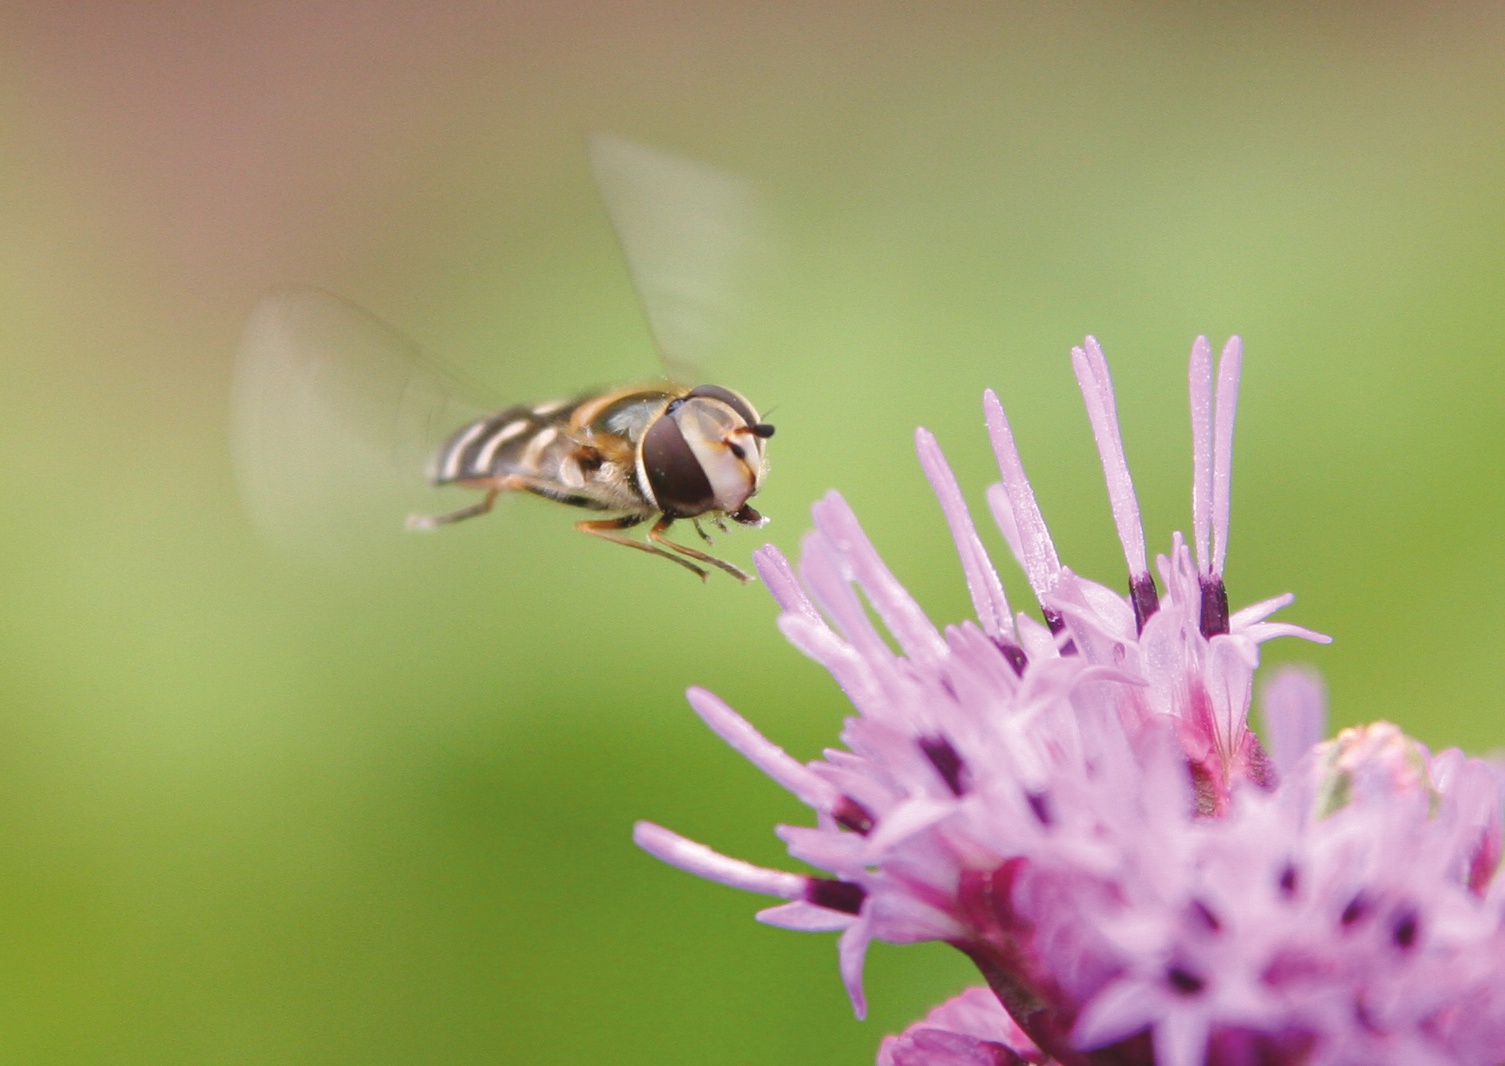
[[663, 452], [671, 452]]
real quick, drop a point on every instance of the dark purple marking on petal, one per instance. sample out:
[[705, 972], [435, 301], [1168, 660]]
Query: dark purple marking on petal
[[1013, 653], [1206, 916], [1246, 1047], [1355, 912], [1184, 981], [835, 895], [1039, 803], [1289, 881], [850, 814], [1214, 606], [946, 761], [1143, 596], [1406, 929], [1136, 1050], [1057, 623]]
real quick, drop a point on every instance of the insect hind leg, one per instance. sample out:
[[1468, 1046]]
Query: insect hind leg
[[610, 529], [656, 535], [426, 522]]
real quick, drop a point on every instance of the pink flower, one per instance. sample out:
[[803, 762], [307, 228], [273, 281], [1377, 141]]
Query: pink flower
[[1081, 807], [971, 1030]]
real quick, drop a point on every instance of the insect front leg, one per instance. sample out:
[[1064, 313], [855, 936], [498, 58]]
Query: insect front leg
[[610, 529], [656, 535]]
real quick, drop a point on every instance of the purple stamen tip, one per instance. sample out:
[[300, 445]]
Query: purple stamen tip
[[1184, 981], [1407, 928], [946, 761], [1214, 605], [1056, 621], [1014, 654], [1145, 599], [1039, 805], [835, 895], [849, 814]]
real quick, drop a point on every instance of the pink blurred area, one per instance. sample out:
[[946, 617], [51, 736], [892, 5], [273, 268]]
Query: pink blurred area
[[228, 147], [225, 144], [169, 163]]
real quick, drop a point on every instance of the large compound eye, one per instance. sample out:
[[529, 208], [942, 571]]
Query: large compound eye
[[727, 396], [675, 477]]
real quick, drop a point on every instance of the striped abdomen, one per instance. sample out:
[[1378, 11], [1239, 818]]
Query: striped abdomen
[[519, 440], [581, 452]]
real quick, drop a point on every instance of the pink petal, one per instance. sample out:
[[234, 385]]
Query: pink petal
[[1229, 368], [1038, 554], [670, 847], [1294, 706], [988, 599], [1097, 391], [805, 917], [761, 752], [898, 609], [1200, 375], [851, 951]]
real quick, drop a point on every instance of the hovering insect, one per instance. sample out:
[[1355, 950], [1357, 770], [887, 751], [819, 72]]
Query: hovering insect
[[671, 452], [663, 452]]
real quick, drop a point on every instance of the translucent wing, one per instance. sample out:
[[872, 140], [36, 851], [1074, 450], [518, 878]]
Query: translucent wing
[[695, 239], [334, 418]]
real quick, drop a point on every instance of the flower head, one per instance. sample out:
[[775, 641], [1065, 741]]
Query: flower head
[[1081, 807]]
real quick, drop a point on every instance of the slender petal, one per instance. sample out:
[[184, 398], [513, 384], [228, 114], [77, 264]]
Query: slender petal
[[982, 580], [1041, 565], [1200, 375], [762, 753], [1230, 367], [700, 860], [1097, 392]]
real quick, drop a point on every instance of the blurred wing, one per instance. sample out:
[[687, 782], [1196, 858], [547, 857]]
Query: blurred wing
[[695, 238], [334, 418]]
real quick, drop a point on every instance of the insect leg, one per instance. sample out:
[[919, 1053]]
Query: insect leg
[[427, 522], [609, 529], [656, 535], [496, 486]]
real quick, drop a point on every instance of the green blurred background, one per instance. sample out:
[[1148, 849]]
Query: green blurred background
[[254, 813]]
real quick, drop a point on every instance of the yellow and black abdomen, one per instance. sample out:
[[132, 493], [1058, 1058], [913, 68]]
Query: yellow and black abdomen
[[516, 441], [581, 452]]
